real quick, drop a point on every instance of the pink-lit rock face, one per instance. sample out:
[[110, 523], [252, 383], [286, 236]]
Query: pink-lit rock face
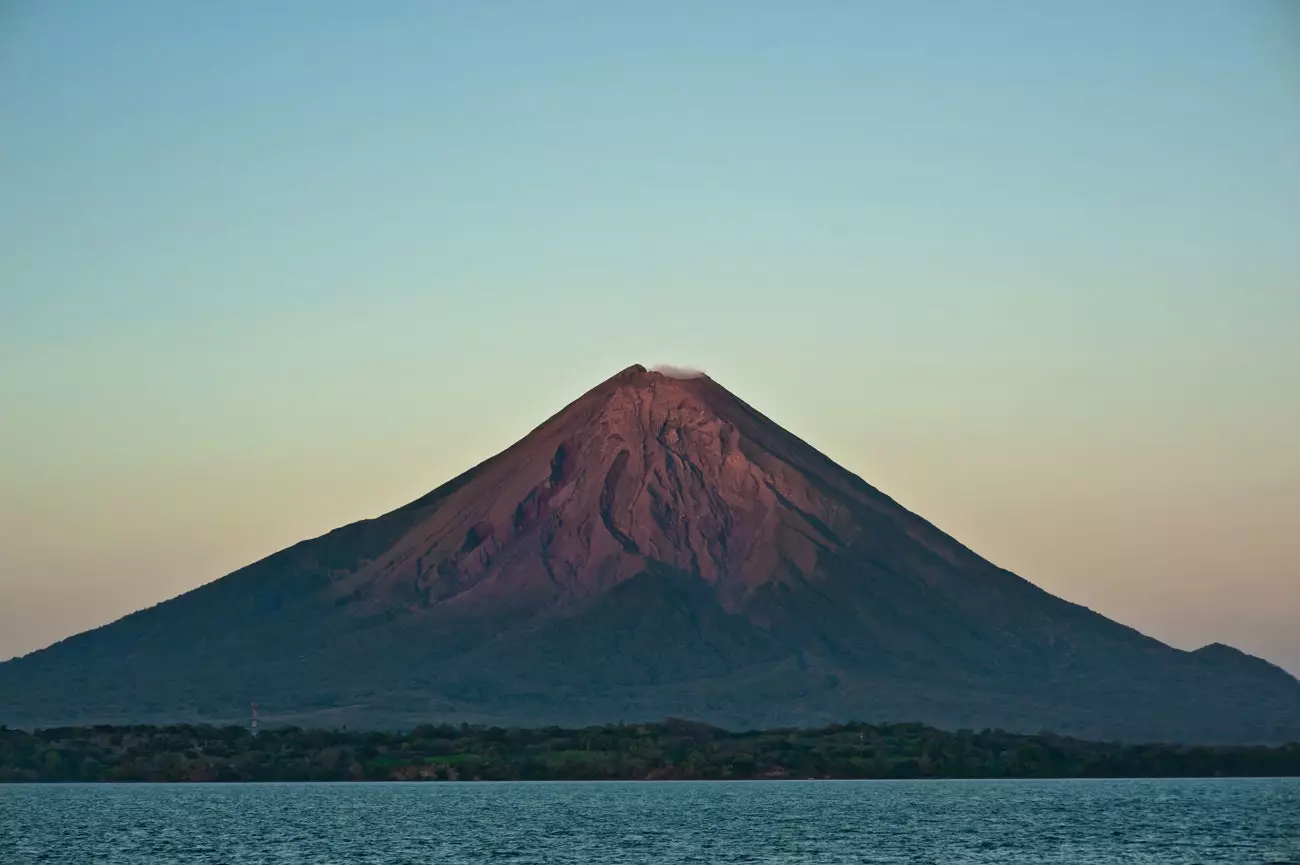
[[645, 468]]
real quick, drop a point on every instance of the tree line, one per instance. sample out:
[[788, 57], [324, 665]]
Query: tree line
[[672, 749]]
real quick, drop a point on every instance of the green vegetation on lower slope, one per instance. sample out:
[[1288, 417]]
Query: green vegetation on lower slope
[[669, 750]]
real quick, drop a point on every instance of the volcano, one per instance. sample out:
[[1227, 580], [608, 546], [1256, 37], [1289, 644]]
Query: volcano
[[657, 548]]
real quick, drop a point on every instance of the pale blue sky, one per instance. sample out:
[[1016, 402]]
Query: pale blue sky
[[1032, 268]]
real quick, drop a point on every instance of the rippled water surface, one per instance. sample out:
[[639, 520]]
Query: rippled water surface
[[1076, 822]]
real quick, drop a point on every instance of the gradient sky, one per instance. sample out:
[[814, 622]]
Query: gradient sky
[[1031, 268]]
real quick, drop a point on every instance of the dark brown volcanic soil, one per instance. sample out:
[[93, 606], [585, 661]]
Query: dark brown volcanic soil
[[656, 548]]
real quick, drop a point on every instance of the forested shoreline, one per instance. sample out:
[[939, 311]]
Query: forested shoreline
[[671, 750]]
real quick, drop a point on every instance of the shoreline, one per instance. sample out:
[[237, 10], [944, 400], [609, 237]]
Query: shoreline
[[668, 751], [655, 781]]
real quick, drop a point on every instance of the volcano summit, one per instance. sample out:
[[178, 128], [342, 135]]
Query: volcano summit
[[658, 548]]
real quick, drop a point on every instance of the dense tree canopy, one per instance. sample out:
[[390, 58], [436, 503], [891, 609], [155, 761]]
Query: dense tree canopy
[[669, 750]]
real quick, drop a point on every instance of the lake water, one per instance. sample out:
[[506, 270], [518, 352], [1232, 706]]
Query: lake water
[[941, 822]]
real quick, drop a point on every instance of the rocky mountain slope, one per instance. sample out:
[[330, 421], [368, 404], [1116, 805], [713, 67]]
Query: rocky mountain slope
[[658, 548]]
